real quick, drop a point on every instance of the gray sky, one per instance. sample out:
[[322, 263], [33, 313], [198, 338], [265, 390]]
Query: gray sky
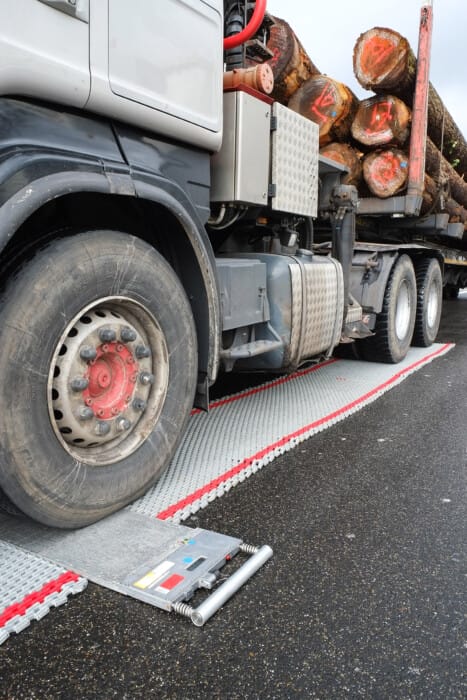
[[328, 30]]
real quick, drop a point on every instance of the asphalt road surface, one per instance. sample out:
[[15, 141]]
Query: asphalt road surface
[[364, 597]]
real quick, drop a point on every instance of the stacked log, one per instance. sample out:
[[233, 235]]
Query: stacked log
[[372, 136], [381, 120], [384, 62], [385, 171], [330, 104], [439, 168], [290, 63], [436, 198], [345, 154]]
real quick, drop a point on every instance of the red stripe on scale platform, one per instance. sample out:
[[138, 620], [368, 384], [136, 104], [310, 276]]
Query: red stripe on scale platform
[[244, 432], [29, 587]]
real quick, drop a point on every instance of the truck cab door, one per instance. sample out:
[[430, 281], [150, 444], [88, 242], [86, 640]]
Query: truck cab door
[[167, 55], [44, 50]]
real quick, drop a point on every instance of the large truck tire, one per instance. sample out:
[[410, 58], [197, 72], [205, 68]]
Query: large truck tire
[[98, 371], [395, 324], [429, 302]]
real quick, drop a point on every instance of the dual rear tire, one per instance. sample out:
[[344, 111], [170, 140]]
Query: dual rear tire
[[411, 311]]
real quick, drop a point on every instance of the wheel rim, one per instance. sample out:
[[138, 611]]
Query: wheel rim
[[108, 381], [432, 306], [403, 311]]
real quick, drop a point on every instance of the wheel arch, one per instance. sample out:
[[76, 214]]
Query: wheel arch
[[60, 204]]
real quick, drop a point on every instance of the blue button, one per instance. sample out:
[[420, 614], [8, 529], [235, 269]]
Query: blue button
[[187, 560]]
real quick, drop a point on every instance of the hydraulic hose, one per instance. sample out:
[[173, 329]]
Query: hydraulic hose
[[230, 42]]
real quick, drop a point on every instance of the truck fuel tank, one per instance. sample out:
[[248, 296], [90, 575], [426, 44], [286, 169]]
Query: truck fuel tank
[[305, 306]]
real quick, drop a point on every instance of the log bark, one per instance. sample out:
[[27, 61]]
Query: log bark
[[438, 168], [330, 104], [385, 171], [380, 121], [290, 63], [384, 62], [434, 201], [344, 154]]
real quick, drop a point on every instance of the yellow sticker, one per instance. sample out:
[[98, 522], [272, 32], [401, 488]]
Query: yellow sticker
[[154, 575]]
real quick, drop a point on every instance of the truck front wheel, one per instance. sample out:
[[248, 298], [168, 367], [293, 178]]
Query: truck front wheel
[[395, 324], [429, 302], [98, 369]]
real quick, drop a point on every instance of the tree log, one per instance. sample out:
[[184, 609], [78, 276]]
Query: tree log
[[345, 155], [385, 171], [434, 201], [384, 62], [438, 167], [330, 104], [290, 63], [380, 121]]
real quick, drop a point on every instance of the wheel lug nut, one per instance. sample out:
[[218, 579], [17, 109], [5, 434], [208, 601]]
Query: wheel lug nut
[[85, 413], [127, 335], [142, 351], [107, 335], [123, 424], [139, 404], [146, 378], [88, 353], [102, 428], [79, 384]]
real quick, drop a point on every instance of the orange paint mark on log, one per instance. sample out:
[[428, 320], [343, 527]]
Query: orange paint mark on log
[[388, 168], [374, 52], [382, 113], [326, 99], [275, 56]]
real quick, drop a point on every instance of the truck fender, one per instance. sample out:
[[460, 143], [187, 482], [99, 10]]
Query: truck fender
[[16, 210], [49, 154]]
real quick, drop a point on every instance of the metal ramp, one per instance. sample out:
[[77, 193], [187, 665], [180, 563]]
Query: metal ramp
[[160, 563]]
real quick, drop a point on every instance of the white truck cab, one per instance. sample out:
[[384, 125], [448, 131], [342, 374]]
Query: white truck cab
[[155, 65]]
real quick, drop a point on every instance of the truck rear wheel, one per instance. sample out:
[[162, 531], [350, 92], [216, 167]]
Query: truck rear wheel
[[395, 324], [98, 368], [429, 302]]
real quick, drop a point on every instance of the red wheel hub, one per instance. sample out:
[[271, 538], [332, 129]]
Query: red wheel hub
[[112, 376]]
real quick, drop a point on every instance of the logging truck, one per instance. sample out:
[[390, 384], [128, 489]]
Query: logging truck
[[162, 219]]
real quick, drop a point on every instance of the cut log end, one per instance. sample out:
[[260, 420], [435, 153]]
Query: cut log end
[[385, 171], [381, 120], [345, 155], [328, 103], [380, 59]]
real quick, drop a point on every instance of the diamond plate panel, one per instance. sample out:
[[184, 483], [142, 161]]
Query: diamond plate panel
[[294, 163], [324, 307], [318, 310]]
